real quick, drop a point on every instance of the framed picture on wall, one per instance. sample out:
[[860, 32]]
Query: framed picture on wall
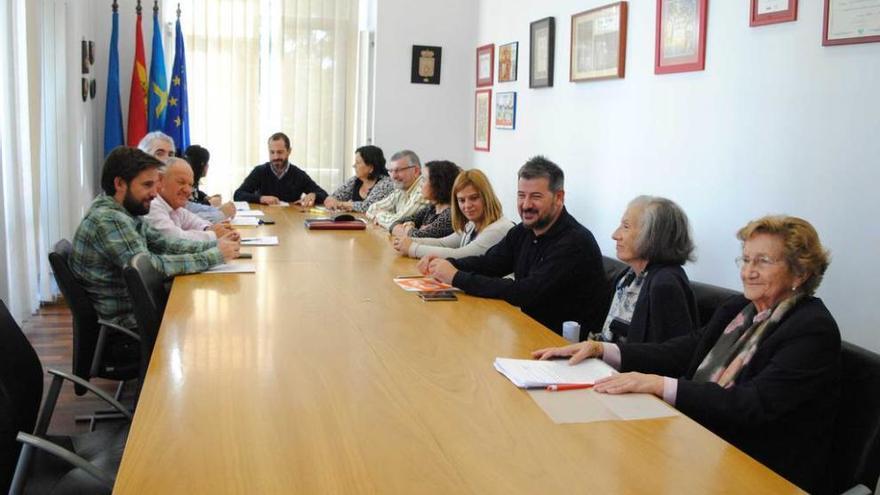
[[485, 65], [482, 119], [772, 11], [507, 61], [426, 64], [505, 110], [849, 21], [598, 43], [542, 43], [681, 36]]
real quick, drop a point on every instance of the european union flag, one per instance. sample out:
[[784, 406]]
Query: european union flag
[[158, 85], [113, 109], [177, 120]]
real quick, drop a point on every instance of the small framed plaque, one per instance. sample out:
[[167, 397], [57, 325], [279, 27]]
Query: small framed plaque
[[482, 119], [485, 65], [772, 11], [426, 64]]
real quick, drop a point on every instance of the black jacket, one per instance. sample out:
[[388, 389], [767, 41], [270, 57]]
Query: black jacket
[[559, 275], [666, 306], [781, 408], [262, 181]]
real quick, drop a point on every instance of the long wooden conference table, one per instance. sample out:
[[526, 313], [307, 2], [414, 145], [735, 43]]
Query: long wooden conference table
[[317, 374]]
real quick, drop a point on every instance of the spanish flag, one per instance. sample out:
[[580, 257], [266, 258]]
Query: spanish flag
[[137, 101]]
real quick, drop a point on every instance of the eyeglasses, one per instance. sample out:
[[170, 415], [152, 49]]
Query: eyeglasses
[[401, 169], [759, 262]]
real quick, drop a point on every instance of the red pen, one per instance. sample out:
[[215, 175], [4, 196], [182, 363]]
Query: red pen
[[559, 387]]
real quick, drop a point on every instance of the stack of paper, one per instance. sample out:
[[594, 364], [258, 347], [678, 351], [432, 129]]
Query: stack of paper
[[241, 205], [269, 240], [530, 373], [281, 203], [233, 268], [250, 213], [244, 221]]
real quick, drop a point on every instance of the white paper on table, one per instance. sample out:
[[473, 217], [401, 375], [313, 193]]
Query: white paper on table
[[233, 268], [269, 240], [250, 213], [281, 203], [244, 221], [241, 205], [587, 406], [531, 373]]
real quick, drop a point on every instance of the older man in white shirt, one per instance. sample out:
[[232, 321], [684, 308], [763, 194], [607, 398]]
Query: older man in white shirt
[[168, 213]]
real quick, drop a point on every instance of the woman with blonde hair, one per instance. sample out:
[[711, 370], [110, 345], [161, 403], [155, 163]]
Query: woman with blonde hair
[[478, 222]]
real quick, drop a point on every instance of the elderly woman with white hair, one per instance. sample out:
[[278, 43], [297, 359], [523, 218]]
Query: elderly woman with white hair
[[652, 299]]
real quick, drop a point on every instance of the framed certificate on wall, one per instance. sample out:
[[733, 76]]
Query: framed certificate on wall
[[598, 43], [542, 44], [482, 119], [772, 11], [485, 65], [681, 36], [851, 21]]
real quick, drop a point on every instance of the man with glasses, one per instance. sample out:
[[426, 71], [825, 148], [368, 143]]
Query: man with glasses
[[406, 173]]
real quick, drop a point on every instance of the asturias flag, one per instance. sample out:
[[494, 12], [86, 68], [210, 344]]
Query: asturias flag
[[158, 92], [177, 120], [137, 102], [113, 109]]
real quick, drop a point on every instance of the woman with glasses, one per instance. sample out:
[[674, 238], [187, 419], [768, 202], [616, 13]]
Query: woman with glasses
[[652, 300], [369, 184], [763, 373]]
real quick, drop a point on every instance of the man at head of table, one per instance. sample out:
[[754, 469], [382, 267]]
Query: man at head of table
[[279, 180]]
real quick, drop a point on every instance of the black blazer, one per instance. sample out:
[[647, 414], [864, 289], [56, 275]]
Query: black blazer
[[781, 408], [666, 306]]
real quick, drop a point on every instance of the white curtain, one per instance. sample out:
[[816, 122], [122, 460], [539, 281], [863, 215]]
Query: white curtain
[[255, 67], [18, 232]]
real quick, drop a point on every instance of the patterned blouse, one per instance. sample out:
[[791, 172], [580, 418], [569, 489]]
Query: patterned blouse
[[429, 223], [348, 191], [623, 304]]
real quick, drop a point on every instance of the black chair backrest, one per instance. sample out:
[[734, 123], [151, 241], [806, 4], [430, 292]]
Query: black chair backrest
[[856, 448], [85, 319], [21, 390], [146, 285], [709, 298]]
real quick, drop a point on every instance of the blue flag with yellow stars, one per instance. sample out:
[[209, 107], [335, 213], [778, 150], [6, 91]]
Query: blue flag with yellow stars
[[177, 119], [157, 89]]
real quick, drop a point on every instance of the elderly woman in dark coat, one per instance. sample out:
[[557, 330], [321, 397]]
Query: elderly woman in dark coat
[[763, 373], [652, 300]]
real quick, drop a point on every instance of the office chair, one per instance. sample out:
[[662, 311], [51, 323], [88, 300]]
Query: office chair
[[146, 285], [856, 446], [90, 334], [84, 463]]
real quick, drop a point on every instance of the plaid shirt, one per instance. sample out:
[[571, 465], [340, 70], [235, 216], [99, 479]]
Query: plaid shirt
[[108, 237]]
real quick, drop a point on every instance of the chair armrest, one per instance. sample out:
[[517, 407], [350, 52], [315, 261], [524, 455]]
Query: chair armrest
[[58, 451], [858, 490], [92, 388], [119, 328]]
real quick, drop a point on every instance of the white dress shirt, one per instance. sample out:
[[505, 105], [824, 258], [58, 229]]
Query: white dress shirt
[[178, 222]]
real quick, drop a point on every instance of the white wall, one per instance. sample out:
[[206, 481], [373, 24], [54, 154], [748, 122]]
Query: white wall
[[432, 120], [775, 124]]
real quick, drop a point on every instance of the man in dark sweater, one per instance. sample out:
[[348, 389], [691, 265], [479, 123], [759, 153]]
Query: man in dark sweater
[[279, 180], [555, 260]]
